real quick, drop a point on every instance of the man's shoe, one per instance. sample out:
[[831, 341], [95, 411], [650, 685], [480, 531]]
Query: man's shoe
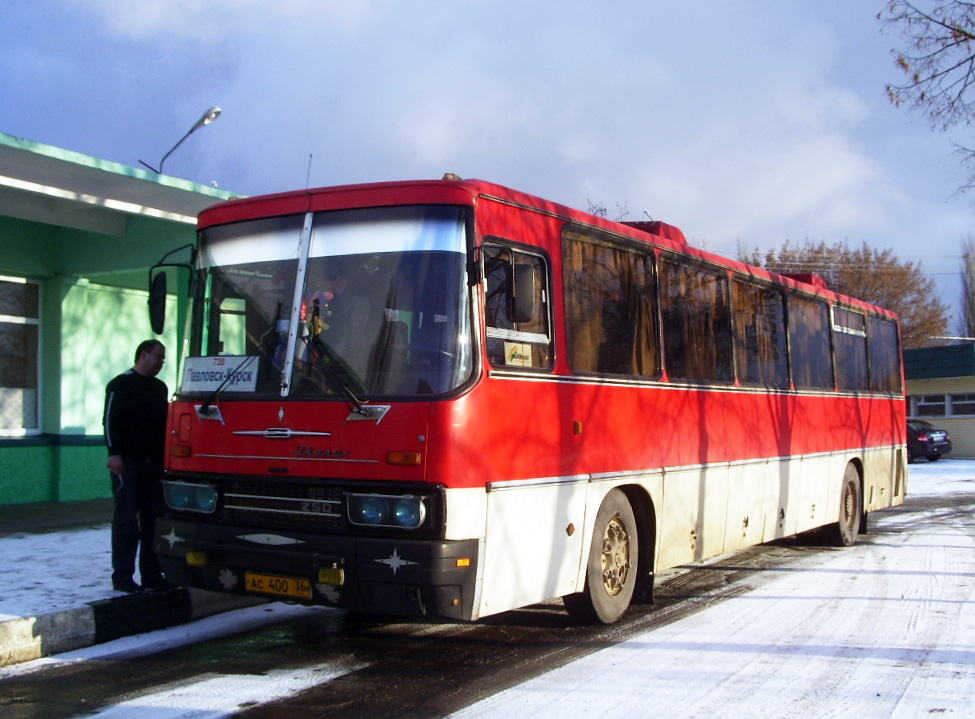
[[125, 585], [156, 584]]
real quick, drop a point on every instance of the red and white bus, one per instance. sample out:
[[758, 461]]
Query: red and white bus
[[448, 398]]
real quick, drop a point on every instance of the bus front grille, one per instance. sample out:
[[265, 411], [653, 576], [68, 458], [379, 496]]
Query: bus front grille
[[283, 505]]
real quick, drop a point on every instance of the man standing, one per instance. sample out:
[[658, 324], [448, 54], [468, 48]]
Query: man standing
[[135, 432]]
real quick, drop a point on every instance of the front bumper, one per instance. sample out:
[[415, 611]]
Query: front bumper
[[425, 577]]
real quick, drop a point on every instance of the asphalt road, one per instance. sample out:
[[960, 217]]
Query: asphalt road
[[379, 668], [328, 664]]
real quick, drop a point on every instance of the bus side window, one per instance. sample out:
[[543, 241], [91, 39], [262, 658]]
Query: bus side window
[[883, 355], [510, 342], [696, 314], [610, 306], [809, 345], [760, 335], [850, 347]]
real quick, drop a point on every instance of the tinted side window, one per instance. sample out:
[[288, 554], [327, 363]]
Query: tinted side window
[[883, 350], [812, 364], [696, 322], [610, 307], [850, 346], [760, 335], [510, 343]]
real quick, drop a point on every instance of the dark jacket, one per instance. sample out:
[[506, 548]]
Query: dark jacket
[[135, 416]]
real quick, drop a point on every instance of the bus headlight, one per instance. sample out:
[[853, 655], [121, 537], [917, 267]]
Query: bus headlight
[[190, 497], [385, 510]]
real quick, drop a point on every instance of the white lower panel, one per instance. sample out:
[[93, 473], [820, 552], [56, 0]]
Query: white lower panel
[[534, 546], [537, 533]]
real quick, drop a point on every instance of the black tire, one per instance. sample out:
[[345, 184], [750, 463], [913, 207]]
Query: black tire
[[934, 458], [846, 530], [611, 570]]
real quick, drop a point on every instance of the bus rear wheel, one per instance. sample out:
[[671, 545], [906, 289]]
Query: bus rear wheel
[[846, 530], [611, 570]]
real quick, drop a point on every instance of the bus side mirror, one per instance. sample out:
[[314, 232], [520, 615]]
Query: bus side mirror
[[157, 302], [523, 301]]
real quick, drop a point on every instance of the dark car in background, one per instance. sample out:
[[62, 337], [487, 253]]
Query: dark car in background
[[926, 440]]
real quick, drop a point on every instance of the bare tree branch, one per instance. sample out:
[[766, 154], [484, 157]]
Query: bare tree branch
[[875, 276]]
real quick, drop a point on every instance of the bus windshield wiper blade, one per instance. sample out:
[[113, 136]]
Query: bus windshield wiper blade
[[338, 374], [205, 407]]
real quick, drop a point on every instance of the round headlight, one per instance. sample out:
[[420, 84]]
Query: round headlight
[[408, 512], [205, 499], [372, 510], [178, 495]]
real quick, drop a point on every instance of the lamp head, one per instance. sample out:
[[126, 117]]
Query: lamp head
[[209, 116]]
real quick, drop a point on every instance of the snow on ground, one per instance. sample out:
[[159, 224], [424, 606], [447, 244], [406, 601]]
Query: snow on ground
[[882, 629], [45, 573]]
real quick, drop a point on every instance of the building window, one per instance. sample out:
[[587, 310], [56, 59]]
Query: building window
[[962, 404], [929, 405], [19, 356]]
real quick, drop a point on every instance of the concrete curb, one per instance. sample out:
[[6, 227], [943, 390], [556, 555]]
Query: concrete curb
[[23, 640]]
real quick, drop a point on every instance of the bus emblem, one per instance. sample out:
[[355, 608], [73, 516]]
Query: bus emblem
[[395, 561]]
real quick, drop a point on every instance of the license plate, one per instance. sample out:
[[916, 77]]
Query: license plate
[[278, 586]]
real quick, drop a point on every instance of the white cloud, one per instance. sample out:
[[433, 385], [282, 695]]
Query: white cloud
[[734, 119], [176, 21]]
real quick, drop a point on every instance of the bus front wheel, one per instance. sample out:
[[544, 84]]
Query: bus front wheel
[[611, 570], [845, 532]]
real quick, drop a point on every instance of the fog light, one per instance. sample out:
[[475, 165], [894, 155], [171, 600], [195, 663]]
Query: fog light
[[196, 559], [332, 576]]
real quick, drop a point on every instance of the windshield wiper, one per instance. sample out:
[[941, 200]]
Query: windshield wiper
[[204, 409], [339, 376]]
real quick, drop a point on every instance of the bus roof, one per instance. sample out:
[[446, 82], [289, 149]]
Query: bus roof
[[452, 190]]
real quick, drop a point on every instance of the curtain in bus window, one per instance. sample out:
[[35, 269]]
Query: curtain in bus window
[[812, 364], [510, 343], [610, 312], [850, 345], [760, 335], [883, 352], [696, 322]]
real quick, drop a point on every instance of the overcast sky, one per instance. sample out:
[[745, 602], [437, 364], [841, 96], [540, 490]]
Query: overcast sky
[[744, 122]]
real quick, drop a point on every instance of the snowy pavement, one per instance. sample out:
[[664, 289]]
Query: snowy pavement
[[882, 629], [44, 573]]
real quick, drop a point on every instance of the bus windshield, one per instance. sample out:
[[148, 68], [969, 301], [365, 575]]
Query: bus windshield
[[378, 300]]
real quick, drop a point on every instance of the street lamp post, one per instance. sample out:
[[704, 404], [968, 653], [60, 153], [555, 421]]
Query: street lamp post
[[209, 116]]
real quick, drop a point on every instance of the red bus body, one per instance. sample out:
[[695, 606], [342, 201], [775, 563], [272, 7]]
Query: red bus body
[[518, 461]]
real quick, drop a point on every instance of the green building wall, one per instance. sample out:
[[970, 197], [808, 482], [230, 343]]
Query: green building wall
[[94, 300], [89, 335], [94, 312]]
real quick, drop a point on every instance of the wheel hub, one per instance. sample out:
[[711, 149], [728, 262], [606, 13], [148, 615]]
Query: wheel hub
[[615, 556]]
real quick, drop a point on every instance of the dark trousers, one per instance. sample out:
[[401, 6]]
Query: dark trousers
[[138, 502]]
